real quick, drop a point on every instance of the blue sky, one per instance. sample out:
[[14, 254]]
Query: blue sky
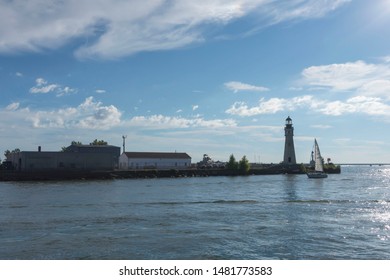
[[215, 77]]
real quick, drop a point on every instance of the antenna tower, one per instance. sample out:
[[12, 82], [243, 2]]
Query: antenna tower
[[124, 142]]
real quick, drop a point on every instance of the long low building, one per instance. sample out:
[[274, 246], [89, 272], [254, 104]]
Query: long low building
[[154, 160], [74, 157]]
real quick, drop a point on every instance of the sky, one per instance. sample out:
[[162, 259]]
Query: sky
[[216, 77]]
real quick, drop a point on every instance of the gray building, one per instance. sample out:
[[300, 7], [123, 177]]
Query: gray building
[[74, 157]]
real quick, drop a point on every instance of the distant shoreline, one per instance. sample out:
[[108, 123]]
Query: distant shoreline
[[370, 164]]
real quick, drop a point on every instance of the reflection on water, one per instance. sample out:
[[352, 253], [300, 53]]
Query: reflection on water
[[345, 216]]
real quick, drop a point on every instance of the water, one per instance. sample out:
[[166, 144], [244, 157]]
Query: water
[[345, 216]]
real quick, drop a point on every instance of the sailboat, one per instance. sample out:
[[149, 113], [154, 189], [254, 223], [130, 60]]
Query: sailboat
[[319, 165]]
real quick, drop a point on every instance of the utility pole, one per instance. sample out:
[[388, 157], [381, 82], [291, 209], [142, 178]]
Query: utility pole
[[124, 142]]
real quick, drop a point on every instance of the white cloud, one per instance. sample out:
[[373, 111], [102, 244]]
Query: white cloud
[[195, 107], [366, 87], [13, 106], [92, 114], [19, 74], [376, 87], [367, 84], [66, 91], [43, 87], [165, 122], [372, 106], [95, 115], [100, 91], [297, 9], [238, 86], [119, 28], [357, 77], [271, 106], [88, 115], [386, 58], [40, 82], [346, 76], [359, 104]]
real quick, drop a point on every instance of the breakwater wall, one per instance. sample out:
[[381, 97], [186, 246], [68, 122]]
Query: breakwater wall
[[61, 175]]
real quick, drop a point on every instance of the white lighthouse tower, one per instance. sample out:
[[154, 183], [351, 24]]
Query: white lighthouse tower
[[289, 151]]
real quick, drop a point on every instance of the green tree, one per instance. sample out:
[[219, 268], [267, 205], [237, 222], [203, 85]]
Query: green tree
[[7, 152], [63, 149], [98, 142], [232, 163], [243, 165]]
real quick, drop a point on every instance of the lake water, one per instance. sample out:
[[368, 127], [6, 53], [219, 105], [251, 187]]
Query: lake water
[[346, 216]]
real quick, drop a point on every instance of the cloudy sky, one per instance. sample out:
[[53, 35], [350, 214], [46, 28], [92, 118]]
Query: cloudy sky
[[215, 77]]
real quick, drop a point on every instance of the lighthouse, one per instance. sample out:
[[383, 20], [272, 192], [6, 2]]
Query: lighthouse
[[289, 151]]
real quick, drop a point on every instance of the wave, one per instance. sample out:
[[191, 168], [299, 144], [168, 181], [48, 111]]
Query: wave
[[338, 201], [236, 201], [17, 206], [246, 201]]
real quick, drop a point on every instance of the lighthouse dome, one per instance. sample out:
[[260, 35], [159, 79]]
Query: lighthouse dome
[[288, 121]]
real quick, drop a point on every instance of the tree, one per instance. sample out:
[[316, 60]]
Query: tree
[[243, 165], [8, 152], [232, 164], [63, 149], [94, 143], [98, 143]]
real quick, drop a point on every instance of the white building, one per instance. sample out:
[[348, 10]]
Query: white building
[[154, 160]]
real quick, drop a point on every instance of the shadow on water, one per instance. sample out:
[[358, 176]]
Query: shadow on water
[[290, 187]]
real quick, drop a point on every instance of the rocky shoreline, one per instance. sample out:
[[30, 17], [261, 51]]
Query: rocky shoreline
[[63, 175]]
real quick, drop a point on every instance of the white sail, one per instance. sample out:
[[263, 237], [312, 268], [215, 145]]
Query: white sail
[[317, 157], [319, 165]]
